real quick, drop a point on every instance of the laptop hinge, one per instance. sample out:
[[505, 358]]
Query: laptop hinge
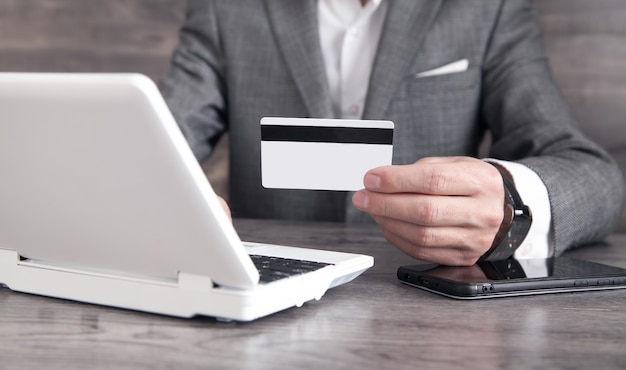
[[8, 263], [194, 282], [8, 257]]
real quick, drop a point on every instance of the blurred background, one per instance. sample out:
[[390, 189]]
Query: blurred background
[[585, 40], [97, 36]]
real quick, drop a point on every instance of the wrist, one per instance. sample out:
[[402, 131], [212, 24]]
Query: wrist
[[516, 222]]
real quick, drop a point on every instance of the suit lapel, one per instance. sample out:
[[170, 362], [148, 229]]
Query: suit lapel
[[406, 24], [294, 23]]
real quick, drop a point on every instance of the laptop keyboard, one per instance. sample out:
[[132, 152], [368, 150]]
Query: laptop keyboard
[[276, 268]]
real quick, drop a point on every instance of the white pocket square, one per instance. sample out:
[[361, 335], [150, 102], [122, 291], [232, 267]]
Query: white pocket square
[[454, 67]]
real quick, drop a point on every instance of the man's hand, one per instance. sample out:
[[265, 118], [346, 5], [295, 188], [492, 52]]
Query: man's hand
[[226, 207], [445, 210]]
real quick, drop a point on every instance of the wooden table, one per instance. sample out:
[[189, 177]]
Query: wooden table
[[372, 323]]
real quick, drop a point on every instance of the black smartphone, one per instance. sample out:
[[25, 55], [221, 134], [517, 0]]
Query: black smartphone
[[511, 277]]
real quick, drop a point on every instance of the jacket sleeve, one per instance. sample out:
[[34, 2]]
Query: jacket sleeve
[[532, 125], [194, 89]]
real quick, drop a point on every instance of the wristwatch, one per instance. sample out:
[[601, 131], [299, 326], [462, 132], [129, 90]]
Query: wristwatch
[[515, 225]]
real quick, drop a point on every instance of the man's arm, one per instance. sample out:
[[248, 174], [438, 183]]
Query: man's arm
[[447, 210], [532, 125], [195, 86]]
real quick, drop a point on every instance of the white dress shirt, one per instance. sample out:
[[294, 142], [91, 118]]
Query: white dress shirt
[[349, 34]]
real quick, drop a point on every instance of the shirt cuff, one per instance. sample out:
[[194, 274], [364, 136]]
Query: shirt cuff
[[535, 195]]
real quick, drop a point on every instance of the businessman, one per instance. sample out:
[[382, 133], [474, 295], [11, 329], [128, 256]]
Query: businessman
[[445, 72]]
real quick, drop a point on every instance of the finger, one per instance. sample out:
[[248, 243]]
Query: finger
[[452, 255], [443, 256], [470, 240], [437, 176], [429, 210]]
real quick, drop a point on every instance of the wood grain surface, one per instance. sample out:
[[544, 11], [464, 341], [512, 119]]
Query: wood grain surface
[[88, 35], [374, 322]]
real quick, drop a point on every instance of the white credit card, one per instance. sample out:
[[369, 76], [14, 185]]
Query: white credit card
[[322, 154]]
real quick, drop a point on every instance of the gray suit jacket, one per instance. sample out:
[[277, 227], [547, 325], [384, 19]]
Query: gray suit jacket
[[242, 60]]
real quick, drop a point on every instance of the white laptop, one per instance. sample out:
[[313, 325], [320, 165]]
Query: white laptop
[[102, 201]]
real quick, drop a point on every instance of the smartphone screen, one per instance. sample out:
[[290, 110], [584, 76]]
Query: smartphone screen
[[511, 277]]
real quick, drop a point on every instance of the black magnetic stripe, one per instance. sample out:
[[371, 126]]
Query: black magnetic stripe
[[351, 135]]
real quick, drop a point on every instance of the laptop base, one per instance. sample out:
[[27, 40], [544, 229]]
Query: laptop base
[[190, 295]]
